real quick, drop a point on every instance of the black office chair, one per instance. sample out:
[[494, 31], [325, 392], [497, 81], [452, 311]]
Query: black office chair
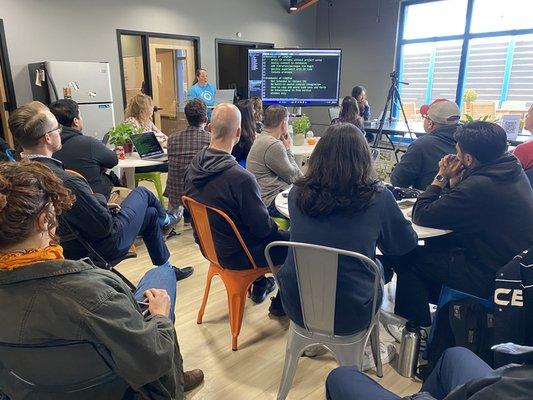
[[81, 370]]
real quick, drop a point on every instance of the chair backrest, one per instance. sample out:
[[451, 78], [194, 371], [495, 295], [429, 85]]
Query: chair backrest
[[57, 369], [334, 112], [204, 232], [316, 271]]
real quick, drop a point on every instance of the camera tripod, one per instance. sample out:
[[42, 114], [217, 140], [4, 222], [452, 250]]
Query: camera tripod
[[392, 97]]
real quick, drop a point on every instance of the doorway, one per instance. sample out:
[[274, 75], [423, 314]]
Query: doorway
[[7, 94], [232, 64], [161, 66]]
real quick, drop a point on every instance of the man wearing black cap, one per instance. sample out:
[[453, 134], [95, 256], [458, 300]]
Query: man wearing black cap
[[420, 163]]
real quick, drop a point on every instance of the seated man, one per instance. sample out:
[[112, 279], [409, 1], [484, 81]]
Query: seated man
[[83, 154], [458, 375], [270, 158], [182, 147], [110, 230], [489, 208], [51, 298], [214, 178], [524, 151], [420, 163]]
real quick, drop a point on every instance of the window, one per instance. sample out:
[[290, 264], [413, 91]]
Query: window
[[490, 53]]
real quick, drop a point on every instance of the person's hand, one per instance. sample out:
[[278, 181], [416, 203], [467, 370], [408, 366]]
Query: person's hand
[[365, 102], [287, 141], [450, 166], [114, 207], [158, 302]]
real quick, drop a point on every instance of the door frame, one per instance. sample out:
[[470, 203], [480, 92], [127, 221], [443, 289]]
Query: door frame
[[145, 37], [241, 42]]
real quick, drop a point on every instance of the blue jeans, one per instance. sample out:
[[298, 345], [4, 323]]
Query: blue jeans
[[142, 214], [456, 367], [162, 277]]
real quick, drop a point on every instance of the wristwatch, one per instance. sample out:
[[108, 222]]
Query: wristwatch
[[440, 178]]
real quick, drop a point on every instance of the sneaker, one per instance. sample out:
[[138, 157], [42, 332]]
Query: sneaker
[[314, 350], [276, 308], [175, 215], [261, 288], [183, 273], [192, 379], [387, 350], [393, 324]]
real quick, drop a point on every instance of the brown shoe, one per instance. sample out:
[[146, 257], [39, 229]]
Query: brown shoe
[[192, 379]]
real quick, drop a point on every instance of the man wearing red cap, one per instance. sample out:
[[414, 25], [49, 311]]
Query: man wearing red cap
[[524, 151], [420, 163]]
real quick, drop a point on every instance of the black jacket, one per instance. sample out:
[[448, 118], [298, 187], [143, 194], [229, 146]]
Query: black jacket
[[490, 212], [89, 157], [89, 215], [419, 165], [214, 178]]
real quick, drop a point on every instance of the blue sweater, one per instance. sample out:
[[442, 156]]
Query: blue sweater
[[381, 224]]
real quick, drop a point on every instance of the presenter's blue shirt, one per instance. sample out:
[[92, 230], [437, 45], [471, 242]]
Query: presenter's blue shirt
[[206, 93]]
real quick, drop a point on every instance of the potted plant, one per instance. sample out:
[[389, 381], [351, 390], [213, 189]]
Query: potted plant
[[300, 126], [469, 96], [120, 135]]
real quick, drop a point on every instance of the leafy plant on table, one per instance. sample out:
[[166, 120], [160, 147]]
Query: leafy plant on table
[[120, 134], [300, 126]]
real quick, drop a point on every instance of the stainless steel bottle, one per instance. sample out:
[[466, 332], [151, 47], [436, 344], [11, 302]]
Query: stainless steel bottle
[[409, 348]]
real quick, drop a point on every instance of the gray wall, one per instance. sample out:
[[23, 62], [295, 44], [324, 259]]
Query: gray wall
[[82, 30], [367, 47]]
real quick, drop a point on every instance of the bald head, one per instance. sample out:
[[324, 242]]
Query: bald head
[[225, 122]]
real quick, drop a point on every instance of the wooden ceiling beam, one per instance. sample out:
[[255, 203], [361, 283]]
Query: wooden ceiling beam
[[302, 5]]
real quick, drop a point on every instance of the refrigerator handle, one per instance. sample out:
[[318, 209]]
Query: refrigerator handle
[[54, 88]]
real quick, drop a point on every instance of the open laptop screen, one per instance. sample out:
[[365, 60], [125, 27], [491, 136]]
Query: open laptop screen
[[147, 145]]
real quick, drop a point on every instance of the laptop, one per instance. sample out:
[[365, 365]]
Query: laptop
[[225, 96], [148, 147]]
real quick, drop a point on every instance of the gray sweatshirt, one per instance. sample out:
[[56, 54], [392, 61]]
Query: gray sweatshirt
[[273, 166]]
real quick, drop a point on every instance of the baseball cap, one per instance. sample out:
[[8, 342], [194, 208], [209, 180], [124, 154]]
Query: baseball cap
[[441, 111]]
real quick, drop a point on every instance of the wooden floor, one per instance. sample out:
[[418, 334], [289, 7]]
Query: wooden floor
[[254, 371]]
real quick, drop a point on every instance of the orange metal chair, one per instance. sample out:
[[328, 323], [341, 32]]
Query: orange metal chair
[[237, 282]]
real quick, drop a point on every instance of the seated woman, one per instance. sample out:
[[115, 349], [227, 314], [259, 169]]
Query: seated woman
[[51, 298], [257, 104], [339, 203], [359, 94], [139, 112], [242, 148], [350, 113]]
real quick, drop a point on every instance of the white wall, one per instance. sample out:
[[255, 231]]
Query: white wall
[[85, 30], [367, 47]]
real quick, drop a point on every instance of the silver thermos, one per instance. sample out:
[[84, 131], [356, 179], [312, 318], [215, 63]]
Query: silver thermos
[[409, 348]]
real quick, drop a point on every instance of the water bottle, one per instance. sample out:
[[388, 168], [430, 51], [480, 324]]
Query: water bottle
[[409, 348]]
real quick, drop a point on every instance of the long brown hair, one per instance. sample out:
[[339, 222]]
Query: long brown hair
[[340, 175], [350, 111], [247, 127], [140, 108], [27, 189]]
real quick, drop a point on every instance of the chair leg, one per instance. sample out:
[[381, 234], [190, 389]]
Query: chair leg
[[236, 301], [159, 189], [210, 275], [376, 349], [293, 351]]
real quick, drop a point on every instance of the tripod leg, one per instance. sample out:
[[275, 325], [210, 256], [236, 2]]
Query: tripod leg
[[397, 93], [383, 117]]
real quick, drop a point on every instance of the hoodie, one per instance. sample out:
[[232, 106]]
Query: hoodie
[[214, 178], [490, 213], [89, 157], [419, 165]]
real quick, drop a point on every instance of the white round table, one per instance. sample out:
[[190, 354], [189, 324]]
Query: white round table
[[423, 232], [300, 152], [132, 161]]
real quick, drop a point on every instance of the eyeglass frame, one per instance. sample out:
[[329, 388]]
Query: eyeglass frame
[[59, 128]]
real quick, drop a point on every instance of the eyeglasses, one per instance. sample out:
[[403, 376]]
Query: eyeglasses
[[59, 129]]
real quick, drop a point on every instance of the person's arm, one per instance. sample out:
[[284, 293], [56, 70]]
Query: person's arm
[[281, 161], [407, 171], [104, 156], [192, 94], [88, 215], [143, 349], [254, 212], [366, 112], [397, 236]]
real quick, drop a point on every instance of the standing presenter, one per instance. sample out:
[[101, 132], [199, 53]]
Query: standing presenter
[[202, 89]]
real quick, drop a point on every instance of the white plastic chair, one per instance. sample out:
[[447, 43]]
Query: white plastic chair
[[316, 271]]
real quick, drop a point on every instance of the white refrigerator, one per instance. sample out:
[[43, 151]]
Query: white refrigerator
[[90, 85]]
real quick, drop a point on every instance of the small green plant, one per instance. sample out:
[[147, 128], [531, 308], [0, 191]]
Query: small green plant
[[301, 126], [484, 118], [470, 95], [120, 134]]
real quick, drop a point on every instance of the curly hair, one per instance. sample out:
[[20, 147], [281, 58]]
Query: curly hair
[[140, 108], [27, 189], [340, 177]]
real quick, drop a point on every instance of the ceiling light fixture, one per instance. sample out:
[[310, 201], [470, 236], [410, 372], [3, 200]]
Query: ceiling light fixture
[[293, 6]]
